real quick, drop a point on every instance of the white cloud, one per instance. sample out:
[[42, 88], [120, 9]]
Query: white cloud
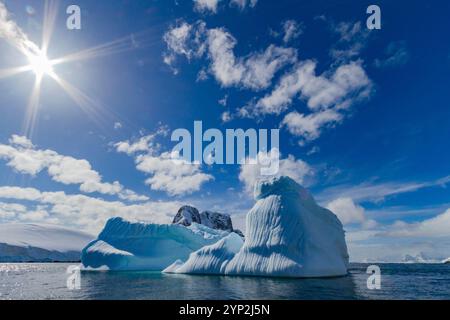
[[254, 71], [347, 211], [206, 5], [346, 85], [84, 212], [143, 144], [353, 38], [23, 157], [292, 30], [117, 125], [211, 6], [174, 176], [297, 169], [309, 127], [376, 192], [168, 173], [226, 116], [438, 226], [12, 33]]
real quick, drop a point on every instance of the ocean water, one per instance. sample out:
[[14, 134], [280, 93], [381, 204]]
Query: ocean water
[[48, 281]]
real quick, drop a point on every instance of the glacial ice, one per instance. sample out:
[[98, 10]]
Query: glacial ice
[[288, 235], [22, 242], [210, 259], [124, 245]]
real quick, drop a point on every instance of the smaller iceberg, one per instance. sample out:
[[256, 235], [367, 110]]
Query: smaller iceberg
[[211, 259], [124, 245]]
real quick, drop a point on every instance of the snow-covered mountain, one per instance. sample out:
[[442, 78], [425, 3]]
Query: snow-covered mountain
[[447, 261], [124, 245], [40, 243], [287, 235], [214, 220]]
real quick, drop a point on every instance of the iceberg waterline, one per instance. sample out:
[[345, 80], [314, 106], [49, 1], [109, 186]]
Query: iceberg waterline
[[288, 235]]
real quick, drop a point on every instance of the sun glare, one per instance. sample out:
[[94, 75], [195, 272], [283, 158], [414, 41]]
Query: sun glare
[[40, 65]]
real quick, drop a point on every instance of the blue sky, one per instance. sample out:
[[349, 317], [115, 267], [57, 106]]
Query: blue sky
[[363, 114]]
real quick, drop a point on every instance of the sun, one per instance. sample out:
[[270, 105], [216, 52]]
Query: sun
[[40, 65]]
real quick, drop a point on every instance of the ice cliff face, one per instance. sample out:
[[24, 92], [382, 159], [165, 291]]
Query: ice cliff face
[[288, 235], [124, 245]]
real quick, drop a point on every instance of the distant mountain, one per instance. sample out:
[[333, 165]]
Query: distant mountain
[[214, 220], [40, 243]]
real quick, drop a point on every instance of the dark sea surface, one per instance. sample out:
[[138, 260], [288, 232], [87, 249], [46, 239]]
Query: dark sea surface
[[48, 281]]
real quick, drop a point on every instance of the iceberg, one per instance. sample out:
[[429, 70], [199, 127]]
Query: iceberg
[[288, 235], [210, 259], [125, 245], [22, 242]]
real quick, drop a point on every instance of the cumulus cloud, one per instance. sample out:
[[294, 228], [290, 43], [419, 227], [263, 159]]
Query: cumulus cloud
[[206, 5], [341, 88], [174, 176], [438, 226], [84, 212], [310, 126], [254, 71], [350, 213], [297, 169], [168, 173], [25, 158]]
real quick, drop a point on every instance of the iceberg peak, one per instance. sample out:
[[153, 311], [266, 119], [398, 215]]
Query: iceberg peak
[[282, 185]]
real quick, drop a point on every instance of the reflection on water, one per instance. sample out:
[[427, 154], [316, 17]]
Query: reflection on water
[[48, 281]]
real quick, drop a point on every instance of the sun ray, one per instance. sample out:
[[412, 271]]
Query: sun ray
[[50, 14], [93, 109], [127, 43], [9, 72], [32, 108]]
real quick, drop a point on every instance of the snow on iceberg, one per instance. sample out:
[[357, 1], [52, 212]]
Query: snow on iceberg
[[210, 259], [288, 235], [21, 242], [124, 245]]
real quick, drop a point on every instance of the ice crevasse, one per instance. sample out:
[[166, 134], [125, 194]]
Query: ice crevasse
[[288, 235]]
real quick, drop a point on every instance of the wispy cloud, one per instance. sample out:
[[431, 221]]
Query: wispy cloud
[[376, 192], [25, 158], [396, 54]]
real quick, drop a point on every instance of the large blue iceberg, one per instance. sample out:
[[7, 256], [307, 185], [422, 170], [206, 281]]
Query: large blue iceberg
[[287, 235], [124, 245]]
